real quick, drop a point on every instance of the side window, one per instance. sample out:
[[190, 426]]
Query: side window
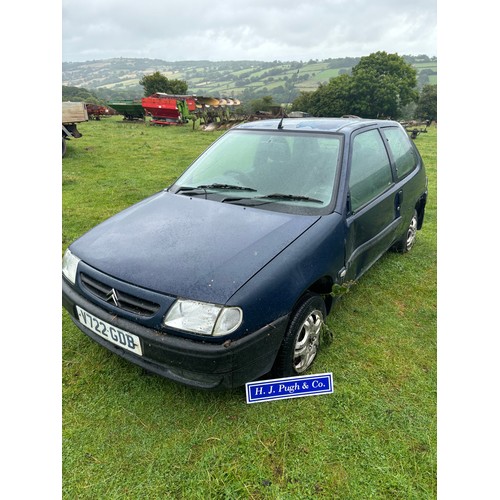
[[371, 171], [402, 150]]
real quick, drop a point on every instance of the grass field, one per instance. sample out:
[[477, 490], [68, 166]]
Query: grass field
[[131, 435]]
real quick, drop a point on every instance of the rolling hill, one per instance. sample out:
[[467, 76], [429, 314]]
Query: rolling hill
[[119, 78]]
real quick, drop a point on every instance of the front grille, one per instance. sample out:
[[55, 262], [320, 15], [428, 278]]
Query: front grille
[[118, 298]]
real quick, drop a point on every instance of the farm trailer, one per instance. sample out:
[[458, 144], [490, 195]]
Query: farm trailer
[[72, 113]]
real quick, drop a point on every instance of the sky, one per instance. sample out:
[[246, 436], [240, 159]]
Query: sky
[[264, 30]]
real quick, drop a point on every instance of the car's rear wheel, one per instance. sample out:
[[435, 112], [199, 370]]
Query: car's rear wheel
[[302, 338], [406, 243]]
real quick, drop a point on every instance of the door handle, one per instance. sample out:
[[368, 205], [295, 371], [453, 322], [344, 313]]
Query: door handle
[[398, 202]]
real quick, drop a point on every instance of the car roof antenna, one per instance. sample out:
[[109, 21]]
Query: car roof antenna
[[280, 124]]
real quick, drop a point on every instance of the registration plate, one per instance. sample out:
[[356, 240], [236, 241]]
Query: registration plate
[[109, 332]]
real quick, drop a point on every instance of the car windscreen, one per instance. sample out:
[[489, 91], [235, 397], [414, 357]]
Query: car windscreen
[[263, 167]]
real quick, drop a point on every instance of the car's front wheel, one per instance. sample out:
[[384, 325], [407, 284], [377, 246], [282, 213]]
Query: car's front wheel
[[302, 338]]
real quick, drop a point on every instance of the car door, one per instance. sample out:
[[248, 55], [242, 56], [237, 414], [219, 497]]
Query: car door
[[409, 172], [373, 203]]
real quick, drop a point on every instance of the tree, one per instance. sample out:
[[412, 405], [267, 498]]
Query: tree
[[265, 103], [304, 102], [332, 99], [427, 103], [156, 82], [79, 94], [380, 85], [424, 77]]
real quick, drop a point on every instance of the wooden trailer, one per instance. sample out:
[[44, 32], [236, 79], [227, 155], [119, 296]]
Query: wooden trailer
[[72, 113]]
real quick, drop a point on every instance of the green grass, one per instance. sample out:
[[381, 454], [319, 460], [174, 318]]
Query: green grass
[[131, 435]]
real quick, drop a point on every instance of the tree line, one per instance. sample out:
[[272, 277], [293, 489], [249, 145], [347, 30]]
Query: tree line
[[380, 85]]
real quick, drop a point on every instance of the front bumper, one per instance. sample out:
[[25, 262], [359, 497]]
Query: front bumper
[[194, 363]]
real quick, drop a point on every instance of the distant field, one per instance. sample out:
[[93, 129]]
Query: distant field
[[130, 435], [215, 78], [426, 65], [316, 73]]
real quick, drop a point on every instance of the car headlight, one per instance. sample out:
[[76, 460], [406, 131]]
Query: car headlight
[[69, 266], [203, 318]]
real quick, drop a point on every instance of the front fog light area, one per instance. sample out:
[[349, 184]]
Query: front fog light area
[[69, 266], [203, 318]]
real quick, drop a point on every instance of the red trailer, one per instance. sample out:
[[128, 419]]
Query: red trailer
[[95, 111], [169, 109]]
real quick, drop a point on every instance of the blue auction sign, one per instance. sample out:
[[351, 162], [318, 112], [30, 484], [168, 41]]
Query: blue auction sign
[[289, 387]]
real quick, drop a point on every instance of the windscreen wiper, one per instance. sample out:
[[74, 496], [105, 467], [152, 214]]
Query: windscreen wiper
[[204, 187], [260, 200], [226, 186], [291, 197]]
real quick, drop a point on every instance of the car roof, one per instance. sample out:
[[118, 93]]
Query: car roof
[[342, 125]]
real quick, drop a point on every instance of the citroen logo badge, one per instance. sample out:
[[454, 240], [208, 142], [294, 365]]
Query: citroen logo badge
[[112, 296]]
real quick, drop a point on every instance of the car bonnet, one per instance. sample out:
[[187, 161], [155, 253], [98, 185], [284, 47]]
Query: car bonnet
[[189, 247]]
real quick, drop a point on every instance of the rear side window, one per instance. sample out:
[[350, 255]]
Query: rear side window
[[371, 171], [402, 150]]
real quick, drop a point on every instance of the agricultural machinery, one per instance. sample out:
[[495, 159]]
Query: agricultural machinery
[[172, 109]]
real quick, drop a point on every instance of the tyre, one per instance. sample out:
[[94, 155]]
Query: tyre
[[405, 244], [302, 338], [63, 146]]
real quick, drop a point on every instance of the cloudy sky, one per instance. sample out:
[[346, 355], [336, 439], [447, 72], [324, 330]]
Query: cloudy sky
[[266, 30]]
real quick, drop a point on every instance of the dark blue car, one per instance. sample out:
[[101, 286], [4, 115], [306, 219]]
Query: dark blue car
[[226, 276]]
